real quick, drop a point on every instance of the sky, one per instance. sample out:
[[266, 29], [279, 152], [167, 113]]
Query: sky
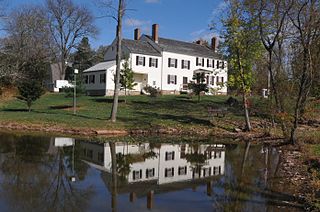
[[186, 20]]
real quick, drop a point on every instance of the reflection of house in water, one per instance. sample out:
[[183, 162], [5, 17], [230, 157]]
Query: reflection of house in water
[[163, 163]]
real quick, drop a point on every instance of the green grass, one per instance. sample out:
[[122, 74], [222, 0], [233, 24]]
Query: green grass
[[316, 149], [140, 112]]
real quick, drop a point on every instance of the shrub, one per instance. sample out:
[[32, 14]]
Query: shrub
[[152, 91]]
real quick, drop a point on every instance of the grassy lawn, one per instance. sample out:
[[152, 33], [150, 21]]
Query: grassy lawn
[[140, 112]]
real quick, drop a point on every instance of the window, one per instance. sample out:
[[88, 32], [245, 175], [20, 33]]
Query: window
[[206, 172], [140, 61], [212, 80], [185, 64], [210, 63], [169, 172], [154, 83], [150, 173], [100, 157], [172, 79], [169, 155], [216, 170], [86, 79], [92, 79], [185, 80], [172, 62], [182, 170], [137, 174], [153, 62], [200, 61], [102, 78], [217, 154]]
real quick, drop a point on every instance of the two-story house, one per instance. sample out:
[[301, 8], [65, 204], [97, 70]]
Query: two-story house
[[166, 64]]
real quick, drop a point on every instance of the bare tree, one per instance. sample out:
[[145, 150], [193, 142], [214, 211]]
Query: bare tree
[[24, 52], [306, 21], [69, 23]]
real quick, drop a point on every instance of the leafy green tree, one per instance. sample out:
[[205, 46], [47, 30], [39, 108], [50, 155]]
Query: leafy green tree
[[199, 85], [126, 77], [30, 91], [243, 47]]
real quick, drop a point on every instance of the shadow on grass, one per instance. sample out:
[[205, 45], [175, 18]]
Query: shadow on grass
[[105, 100], [184, 119], [55, 113], [15, 110]]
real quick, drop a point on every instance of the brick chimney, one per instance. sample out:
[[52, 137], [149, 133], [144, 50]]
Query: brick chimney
[[214, 43], [200, 42], [155, 33], [137, 34]]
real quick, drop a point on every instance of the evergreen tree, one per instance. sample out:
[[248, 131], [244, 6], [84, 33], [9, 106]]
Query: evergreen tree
[[83, 57], [30, 91]]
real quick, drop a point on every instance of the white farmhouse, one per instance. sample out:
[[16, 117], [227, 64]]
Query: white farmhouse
[[166, 64]]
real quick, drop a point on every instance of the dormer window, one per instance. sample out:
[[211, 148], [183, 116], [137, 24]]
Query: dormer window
[[172, 62], [140, 61]]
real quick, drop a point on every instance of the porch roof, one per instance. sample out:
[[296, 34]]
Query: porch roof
[[202, 71]]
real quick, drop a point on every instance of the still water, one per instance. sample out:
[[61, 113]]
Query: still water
[[137, 174]]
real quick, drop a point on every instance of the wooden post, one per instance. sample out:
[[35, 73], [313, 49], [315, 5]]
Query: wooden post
[[150, 200]]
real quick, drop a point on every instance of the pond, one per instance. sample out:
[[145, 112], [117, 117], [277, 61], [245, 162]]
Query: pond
[[40, 173]]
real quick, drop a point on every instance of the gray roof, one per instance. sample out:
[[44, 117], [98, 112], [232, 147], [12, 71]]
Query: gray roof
[[101, 66], [187, 48], [140, 47]]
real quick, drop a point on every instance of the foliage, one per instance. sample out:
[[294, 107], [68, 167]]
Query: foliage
[[152, 91], [83, 57], [126, 77], [80, 90], [199, 85], [30, 91]]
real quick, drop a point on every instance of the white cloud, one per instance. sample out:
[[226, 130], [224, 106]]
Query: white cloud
[[131, 22], [152, 1], [204, 34]]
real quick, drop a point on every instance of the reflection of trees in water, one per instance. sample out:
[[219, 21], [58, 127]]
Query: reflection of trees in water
[[34, 181], [196, 159]]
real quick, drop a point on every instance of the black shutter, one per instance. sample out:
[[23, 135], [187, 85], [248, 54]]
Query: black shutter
[[202, 62], [185, 170], [150, 59], [182, 64], [133, 175], [175, 79], [173, 155], [166, 158], [176, 63], [188, 64], [144, 61], [217, 63], [207, 62], [166, 172], [156, 63], [137, 60], [172, 171], [197, 61], [169, 60], [222, 79], [140, 173], [168, 83], [212, 63]]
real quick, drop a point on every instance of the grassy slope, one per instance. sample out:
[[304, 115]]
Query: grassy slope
[[139, 112]]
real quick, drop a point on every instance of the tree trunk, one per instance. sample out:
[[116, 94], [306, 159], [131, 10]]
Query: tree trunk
[[246, 112], [118, 62]]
